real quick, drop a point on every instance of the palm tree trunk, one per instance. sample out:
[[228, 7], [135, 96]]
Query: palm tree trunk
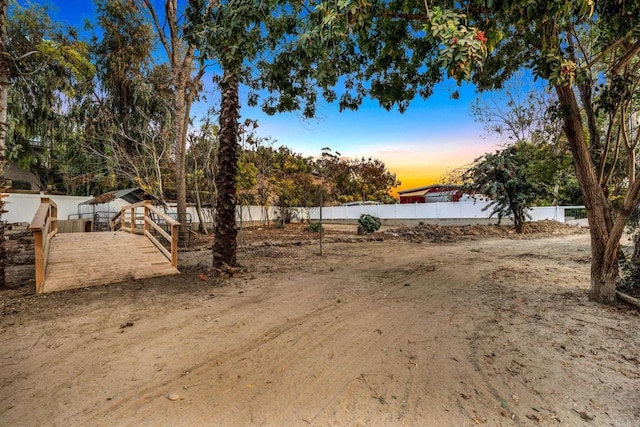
[[225, 232]]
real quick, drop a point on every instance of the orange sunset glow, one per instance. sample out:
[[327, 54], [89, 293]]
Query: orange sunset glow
[[419, 165]]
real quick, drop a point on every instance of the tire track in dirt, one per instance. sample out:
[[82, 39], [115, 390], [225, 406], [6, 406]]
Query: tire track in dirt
[[369, 334], [314, 342], [330, 328], [552, 375]]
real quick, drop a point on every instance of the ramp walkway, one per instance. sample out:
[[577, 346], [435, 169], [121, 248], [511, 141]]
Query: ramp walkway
[[132, 250]]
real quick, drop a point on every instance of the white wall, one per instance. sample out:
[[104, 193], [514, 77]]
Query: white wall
[[458, 210], [22, 208]]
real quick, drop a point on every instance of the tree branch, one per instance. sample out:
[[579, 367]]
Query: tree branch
[[626, 58], [156, 23]]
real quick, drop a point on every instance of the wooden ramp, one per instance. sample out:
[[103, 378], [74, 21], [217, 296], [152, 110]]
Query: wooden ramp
[[77, 260]]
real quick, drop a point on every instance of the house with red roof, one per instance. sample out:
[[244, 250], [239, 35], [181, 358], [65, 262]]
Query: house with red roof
[[436, 193]]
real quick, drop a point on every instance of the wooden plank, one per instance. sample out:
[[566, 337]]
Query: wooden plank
[[158, 245], [89, 259], [163, 215], [158, 229]]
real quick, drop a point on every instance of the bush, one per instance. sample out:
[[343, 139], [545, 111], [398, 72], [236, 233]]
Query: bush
[[316, 227], [369, 223]]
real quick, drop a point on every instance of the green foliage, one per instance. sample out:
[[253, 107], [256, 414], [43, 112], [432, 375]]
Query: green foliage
[[284, 178], [356, 179], [629, 281], [47, 69], [315, 227], [464, 47], [502, 177], [369, 223]]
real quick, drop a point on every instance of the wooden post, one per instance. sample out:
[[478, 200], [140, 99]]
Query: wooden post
[[146, 216], [39, 255], [321, 226], [53, 215], [174, 245], [43, 226], [132, 220]]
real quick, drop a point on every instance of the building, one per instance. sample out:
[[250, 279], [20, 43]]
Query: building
[[21, 179], [441, 193]]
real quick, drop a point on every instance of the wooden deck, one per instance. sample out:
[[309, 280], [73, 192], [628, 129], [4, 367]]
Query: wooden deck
[[77, 260]]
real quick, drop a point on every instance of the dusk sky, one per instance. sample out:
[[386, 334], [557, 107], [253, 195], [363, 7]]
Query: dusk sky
[[430, 138]]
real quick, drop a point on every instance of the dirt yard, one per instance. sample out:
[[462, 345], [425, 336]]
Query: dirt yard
[[414, 327]]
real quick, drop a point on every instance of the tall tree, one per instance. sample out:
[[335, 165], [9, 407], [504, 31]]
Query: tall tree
[[532, 121], [234, 33], [127, 121], [48, 67], [225, 244], [576, 46], [40, 67], [181, 53], [4, 104]]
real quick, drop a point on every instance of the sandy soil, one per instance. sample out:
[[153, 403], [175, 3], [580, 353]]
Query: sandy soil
[[389, 330]]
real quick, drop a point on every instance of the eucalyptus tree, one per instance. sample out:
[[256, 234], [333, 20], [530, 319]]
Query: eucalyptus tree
[[150, 70], [532, 118], [182, 57], [201, 162], [127, 120], [46, 68], [40, 67], [588, 53]]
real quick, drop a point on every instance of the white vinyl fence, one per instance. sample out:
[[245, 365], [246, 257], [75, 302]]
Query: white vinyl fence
[[22, 208], [418, 211]]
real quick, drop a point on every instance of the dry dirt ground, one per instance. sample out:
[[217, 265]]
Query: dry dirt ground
[[414, 327]]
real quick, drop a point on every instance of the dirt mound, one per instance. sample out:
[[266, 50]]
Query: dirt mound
[[450, 233]]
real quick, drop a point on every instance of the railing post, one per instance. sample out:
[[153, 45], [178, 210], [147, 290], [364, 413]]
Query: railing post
[[174, 245], [132, 219], [146, 216], [39, 255], [54, 217]]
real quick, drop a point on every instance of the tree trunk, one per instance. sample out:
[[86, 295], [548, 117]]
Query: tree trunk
[[180, 55], [604, 246], [225, 232], [519, 225], [4, 105], [196, 191], [181, 149]]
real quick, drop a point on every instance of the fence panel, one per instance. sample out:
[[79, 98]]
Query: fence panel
[[22, 208]]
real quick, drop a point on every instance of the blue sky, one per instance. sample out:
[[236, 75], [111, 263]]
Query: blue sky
[[430, 138]]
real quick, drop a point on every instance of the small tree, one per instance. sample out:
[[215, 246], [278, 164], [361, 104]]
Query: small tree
[[502, 178]]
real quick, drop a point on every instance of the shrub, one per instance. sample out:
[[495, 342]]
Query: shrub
[[369, 223], [316, 227]]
